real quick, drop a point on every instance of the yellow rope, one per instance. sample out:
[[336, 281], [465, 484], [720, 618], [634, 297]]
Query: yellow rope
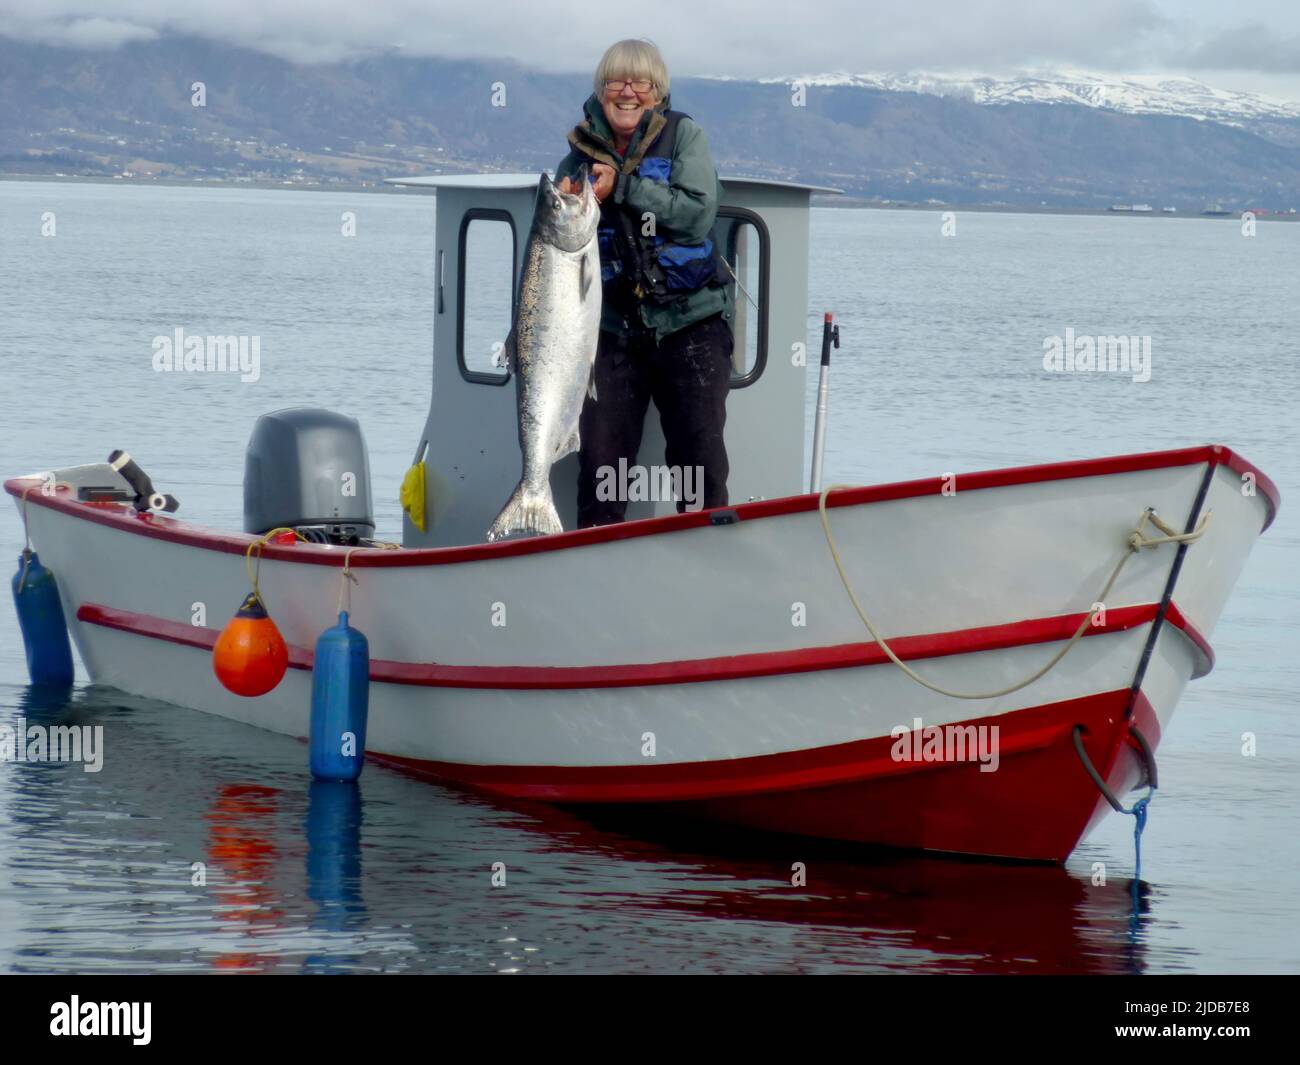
[[347, 580], [254, 574], [345, 583], [1134, 543]]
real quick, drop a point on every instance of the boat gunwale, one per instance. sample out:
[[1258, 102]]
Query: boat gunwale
[[123, 518]]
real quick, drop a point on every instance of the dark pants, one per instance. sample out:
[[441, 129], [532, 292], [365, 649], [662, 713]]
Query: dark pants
[[688, 375]]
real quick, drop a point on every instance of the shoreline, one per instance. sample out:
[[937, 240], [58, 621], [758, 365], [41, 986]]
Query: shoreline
[[838, 202], [847, 203]]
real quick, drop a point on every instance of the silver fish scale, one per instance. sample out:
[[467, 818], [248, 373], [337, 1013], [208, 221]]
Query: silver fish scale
[[557, 327], [556, 343]]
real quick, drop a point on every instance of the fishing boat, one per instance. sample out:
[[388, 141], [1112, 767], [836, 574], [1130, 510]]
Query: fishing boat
[[978, 663]]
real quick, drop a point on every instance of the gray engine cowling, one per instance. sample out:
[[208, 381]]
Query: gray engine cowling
[[307, 469]]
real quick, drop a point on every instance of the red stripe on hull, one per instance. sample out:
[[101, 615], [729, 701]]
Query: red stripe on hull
[[1263, 482], [1036, 805], [124, 518], [690, 671], [1180, 621]]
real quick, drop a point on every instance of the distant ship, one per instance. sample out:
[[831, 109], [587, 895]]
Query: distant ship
[[1169, 210], [1130, 208], [1217, 211]]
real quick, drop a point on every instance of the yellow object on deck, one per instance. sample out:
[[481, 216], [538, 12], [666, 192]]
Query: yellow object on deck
[[412, 495]]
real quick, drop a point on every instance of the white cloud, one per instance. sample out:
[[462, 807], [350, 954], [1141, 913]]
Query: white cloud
[[748, 39], [95, 32]]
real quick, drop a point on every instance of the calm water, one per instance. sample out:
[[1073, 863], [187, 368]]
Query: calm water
[[941, 370]]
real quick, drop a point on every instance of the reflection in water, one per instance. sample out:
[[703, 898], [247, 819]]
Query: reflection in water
[[46, 704], [334, 864], [241, 860], [97, 868], [966, 915]]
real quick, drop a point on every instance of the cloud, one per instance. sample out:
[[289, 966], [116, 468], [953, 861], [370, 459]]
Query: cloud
[[1250, 47], [758, 38], [91, 33]]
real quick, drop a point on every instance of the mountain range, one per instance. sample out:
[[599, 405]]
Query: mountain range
[[1134, 94], [1063, 139]]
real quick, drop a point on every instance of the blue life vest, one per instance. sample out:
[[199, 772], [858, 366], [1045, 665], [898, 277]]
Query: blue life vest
[[661, 269]]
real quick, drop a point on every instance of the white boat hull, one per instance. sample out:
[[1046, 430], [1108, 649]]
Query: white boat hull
[[722, 668]]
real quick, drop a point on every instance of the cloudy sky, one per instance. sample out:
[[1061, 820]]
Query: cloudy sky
[[1249, 45]]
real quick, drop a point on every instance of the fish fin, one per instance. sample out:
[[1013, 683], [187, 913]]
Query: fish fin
[[569, 446], [510, 351], [529, 510], [584, 278]]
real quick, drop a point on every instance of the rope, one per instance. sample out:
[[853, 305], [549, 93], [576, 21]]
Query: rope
[[1138, 811], [27, 536], [1148, 757], [346, 579], [27, 542], [255, 573], [1134, 543], [345, 591], [345, 583]]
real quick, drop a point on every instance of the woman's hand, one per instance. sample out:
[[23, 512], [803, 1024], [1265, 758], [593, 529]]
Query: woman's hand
[[604, 184]]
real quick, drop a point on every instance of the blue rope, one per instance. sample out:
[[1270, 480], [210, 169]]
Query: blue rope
[[1139, 812], [1139, 809]]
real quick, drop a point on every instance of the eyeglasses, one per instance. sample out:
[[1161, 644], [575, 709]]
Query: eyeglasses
[[638, 87]]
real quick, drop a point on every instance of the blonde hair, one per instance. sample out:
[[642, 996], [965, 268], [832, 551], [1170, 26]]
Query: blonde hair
[[632, 59]]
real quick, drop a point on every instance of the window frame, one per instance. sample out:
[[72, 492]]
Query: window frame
[[487, 214], [743, 214]]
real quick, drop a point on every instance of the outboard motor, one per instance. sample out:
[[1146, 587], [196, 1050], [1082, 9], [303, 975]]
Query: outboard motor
[[307, 469]]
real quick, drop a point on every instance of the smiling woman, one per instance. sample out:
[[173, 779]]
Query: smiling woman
[[666, 316], [632, 78]]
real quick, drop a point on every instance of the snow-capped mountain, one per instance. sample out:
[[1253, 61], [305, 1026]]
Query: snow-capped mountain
[[935, 138], [1142, 94]]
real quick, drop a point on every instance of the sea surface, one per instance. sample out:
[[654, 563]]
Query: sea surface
[[941, 369]]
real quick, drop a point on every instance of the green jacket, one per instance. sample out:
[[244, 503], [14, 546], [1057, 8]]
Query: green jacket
[[684, 210]]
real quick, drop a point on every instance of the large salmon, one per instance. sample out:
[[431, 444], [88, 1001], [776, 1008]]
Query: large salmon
[[552, 346]]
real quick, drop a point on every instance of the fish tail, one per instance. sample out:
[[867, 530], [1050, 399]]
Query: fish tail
[[530, 510]]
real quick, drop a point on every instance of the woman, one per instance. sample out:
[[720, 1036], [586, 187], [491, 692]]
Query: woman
[[667, 310]]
